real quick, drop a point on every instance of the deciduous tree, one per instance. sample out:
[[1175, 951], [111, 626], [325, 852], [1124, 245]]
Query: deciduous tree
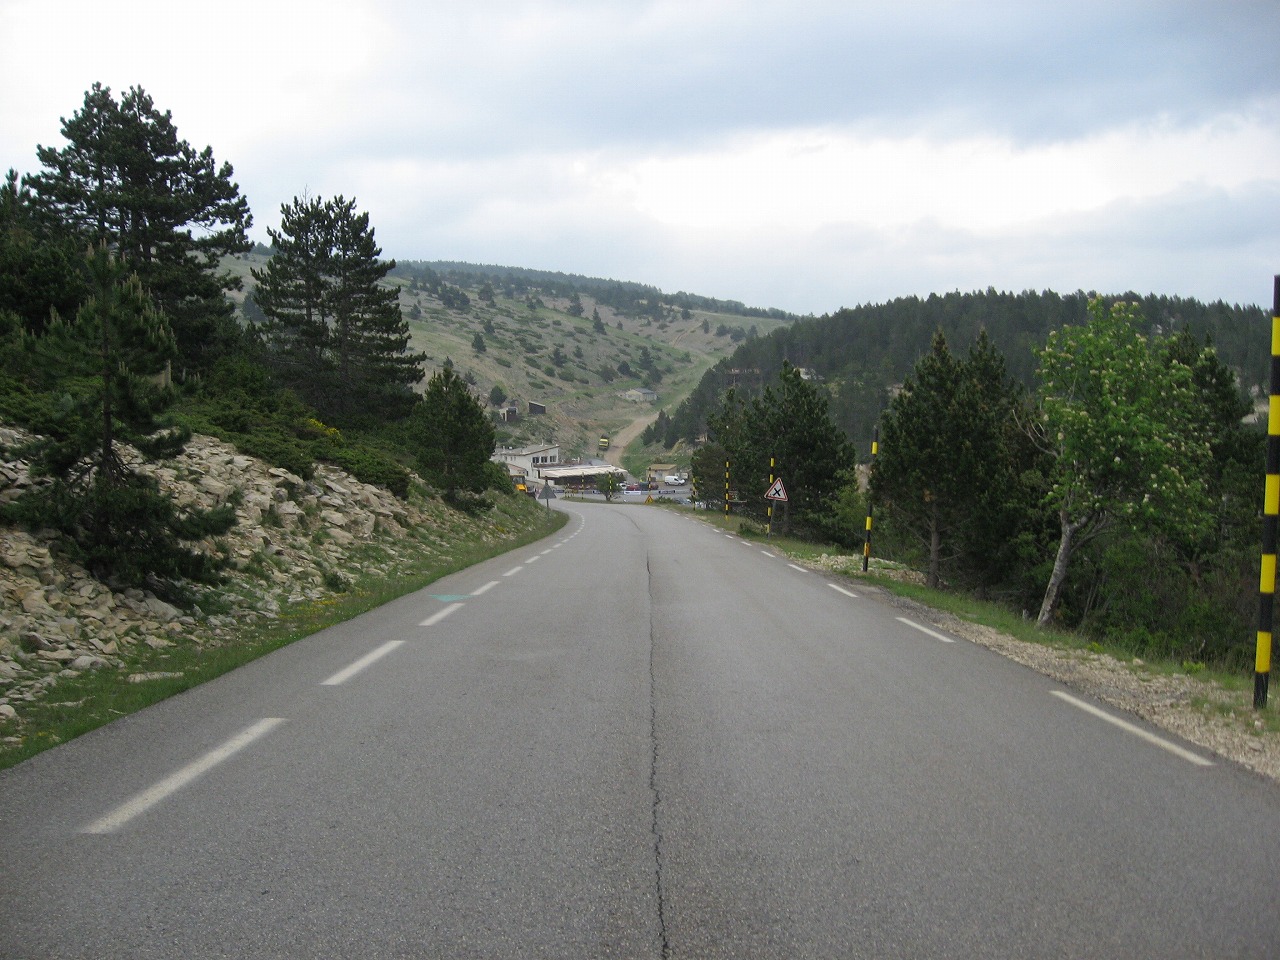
[[1125, 428]]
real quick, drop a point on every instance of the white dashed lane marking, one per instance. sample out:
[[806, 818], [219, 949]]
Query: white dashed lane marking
[[148, 798], [925, 630], [342, 676], [1137, 731]]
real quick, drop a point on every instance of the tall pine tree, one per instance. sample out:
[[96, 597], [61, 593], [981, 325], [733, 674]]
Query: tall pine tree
[[334, 330], [127, 180], [915, 472], [374, 367], [291, 293]]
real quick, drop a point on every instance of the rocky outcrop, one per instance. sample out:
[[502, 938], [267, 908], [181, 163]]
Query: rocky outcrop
[[296, 541]]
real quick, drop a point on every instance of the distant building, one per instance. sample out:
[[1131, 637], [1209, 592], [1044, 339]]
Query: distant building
[[579, 475], [529, 461], [640, 395], [537, 409], [657, 471]]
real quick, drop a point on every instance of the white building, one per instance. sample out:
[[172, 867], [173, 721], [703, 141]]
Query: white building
[[529, 461]]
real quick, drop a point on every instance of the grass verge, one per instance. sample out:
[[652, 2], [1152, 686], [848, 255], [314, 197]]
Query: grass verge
[[82, 703]]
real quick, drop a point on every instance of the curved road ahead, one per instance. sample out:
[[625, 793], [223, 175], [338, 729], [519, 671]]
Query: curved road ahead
[[639, 738]]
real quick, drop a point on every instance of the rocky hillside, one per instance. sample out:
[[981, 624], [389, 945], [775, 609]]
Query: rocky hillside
[[297, 541]]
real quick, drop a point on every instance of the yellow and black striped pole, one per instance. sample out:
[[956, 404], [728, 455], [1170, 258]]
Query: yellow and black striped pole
[[1270, 518], [726, 489], [769, 507], [866, 545]]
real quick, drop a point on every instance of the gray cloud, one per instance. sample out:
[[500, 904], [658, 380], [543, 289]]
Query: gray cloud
[[460, 128]]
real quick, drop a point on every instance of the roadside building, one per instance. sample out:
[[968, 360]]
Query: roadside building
[[579, 476], [528, 461]]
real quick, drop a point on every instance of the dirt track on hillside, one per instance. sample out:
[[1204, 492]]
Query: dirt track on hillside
[[624, 436]]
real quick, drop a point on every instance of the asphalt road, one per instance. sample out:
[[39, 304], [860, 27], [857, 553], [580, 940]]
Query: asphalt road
[[639, 738]]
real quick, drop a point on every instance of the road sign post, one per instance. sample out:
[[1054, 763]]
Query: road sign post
[[777, 493]]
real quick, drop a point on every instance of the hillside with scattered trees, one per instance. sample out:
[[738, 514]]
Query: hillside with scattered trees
[[1087, 459]]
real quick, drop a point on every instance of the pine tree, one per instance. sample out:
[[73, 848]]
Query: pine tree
[[810, 452], [915, 473], [334, 329], [113, 358], [789, 423], [291, 294], [450, 437], [127, 180], [370, 338]]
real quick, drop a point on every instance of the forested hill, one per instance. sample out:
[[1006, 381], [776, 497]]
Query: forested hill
[[624, 296], [860, 353]]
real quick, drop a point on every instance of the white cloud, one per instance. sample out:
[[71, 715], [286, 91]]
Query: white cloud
[[805, 179]]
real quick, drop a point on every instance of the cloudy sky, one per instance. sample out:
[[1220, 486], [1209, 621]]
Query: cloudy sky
[[802, 154]]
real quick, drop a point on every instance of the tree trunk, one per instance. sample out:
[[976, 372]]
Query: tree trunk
[[1065, 546]]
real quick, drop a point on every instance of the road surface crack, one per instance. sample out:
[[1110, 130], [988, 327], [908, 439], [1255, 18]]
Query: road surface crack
[[654, 791]]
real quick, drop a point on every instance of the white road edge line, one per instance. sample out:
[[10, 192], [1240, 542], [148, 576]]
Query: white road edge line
[[485, 589], [148, 798], [838, 589], [1137, 731], [513, 571], [924, 630], [545, 552], [439, 615], [794, 567], [532, 560], [342, 676]]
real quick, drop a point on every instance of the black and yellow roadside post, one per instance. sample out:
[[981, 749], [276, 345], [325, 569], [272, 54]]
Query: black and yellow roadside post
[[1270, 518], [769, 508], [726, 489], [866, 544]]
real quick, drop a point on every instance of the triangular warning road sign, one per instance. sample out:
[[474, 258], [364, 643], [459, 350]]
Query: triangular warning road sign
[[777, 491]]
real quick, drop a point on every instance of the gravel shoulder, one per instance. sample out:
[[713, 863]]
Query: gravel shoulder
[[1198, 711]]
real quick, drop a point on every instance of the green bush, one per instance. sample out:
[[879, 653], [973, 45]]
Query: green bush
[[369, 466]]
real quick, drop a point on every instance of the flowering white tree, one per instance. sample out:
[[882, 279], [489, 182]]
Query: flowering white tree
[[1127, 432]]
